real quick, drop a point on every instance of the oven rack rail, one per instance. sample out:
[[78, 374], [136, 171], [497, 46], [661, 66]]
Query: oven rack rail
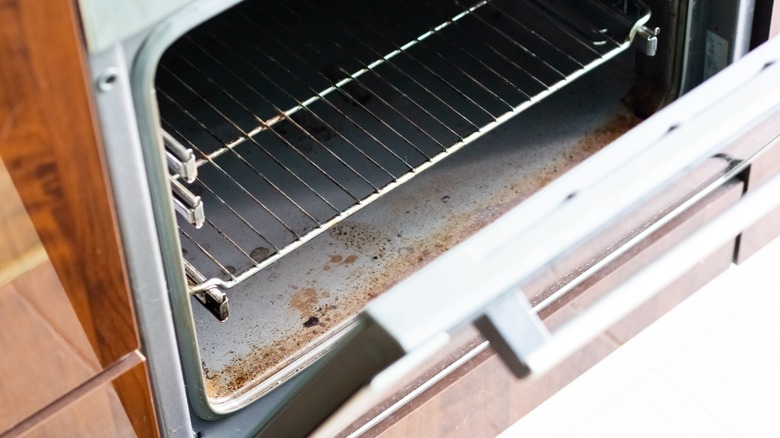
[[375, 93]]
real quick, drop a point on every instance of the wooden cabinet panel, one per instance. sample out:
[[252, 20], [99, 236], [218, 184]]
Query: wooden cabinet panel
[[134, 393], [50, 148], [39, 365], [47, 351], [93, 412]]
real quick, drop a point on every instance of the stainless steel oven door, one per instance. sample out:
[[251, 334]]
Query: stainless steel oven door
[[479, 281]]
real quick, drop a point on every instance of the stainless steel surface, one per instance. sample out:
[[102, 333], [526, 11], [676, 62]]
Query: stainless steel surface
[[750, 80], [516, 332], [150, 233], [647, 40], [181, 161], [188, 205], [294, 135], [109, 23], [734, 167], [140, 226], [129, 176], [717, 34], [212, 299], [365, 351], [513, 329]]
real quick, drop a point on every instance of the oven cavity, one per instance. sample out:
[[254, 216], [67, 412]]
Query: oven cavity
[[280, 119]]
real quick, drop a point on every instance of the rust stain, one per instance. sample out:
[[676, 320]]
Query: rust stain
[[260, 253], [349, 260], [608, 133], [304, 300], [263, 362], [336, 258]]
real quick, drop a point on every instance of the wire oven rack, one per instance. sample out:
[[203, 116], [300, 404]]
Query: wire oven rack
[[300, 114]]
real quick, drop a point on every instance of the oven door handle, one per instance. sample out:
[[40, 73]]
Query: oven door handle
[[645, 284]]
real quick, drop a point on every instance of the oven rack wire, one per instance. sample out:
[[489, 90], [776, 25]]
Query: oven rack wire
[[301, 120]]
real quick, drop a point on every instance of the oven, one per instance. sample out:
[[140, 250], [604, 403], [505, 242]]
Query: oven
[[311, 194]]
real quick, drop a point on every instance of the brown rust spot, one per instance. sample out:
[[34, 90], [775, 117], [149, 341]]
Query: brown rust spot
[[262, 362], [349, 260], [336, 258], [401, 264], [358, 236], [260, 253], [304, 300]]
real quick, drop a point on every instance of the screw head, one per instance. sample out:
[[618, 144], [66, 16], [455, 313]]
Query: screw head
[[108, 79]]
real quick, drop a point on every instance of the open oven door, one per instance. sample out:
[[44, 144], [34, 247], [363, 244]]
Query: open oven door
[[479, 282]]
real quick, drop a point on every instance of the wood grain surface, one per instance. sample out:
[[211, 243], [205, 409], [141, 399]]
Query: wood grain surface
[[51, 150], [49, 356]]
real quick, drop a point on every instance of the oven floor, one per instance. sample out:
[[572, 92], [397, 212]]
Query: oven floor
[[284, 316]]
